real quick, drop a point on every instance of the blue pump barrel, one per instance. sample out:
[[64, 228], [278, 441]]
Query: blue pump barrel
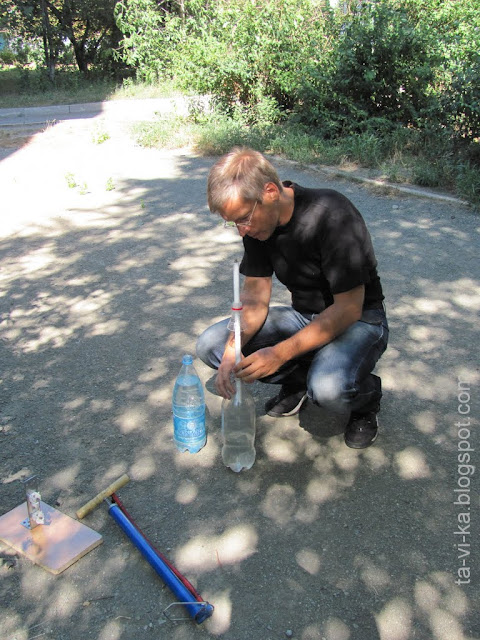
[[199, 611]]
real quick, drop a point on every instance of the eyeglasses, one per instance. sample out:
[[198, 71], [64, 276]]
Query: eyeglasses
[[245, 222]]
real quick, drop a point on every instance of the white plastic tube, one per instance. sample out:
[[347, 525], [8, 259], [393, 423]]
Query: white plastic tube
[[237, 325], [236, 282]]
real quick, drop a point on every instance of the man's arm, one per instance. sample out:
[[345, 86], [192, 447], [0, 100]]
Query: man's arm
[[255, 297], [333, 321]]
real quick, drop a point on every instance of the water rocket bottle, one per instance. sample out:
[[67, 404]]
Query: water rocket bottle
[[238, 430], [188, 404], [238, 413]]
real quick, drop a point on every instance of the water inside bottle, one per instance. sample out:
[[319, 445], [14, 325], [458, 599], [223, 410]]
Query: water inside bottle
[[238, 429]]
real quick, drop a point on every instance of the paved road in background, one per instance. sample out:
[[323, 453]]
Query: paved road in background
[[124, 110]]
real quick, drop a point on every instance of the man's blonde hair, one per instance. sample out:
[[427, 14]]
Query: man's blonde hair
[[241, 173]]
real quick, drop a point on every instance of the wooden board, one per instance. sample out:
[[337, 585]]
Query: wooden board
[[54, 546]]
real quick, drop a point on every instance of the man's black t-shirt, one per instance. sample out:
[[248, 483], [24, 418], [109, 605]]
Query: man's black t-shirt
[[324, 249]]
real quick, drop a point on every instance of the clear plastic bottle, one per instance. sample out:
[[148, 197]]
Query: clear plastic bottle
[[188, 404], [238, 430]]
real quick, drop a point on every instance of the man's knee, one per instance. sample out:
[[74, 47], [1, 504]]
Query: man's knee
[[210, 347], [202, 348], [330, 391]]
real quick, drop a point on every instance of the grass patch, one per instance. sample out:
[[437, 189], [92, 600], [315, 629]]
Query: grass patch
[[218, 135], [99, 136], [31, 88], [167, 132]]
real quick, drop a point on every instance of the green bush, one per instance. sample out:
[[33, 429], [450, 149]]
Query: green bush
[[454, 29], [7, 57], [467, 183], [381, 67]]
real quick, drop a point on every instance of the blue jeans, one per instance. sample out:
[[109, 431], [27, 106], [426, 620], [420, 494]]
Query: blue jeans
[[337, 376]]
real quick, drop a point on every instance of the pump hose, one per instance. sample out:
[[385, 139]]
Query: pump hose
[[182, 578]]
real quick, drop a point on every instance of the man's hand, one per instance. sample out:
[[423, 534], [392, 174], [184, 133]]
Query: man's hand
[[223, 381], [255, 298], [263, 362]]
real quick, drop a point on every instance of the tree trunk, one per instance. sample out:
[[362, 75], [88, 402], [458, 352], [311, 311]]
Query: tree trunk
[[80, 57], [80, 48], [48, 44], [181, 4]]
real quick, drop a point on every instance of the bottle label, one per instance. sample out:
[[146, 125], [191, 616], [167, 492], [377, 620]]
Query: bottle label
[[188, 430]]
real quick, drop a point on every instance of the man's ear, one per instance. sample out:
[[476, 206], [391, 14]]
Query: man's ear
[[271, 193]]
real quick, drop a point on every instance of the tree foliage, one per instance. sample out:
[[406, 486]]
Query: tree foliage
[[367, 66], [149, 41], [245, 52], [87, 26], [384, 65]]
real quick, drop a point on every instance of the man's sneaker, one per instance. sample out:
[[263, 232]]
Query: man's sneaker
[[361, 430], [287, 403]]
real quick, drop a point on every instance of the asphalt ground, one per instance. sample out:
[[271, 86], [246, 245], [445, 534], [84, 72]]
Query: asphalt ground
[[111, 266]]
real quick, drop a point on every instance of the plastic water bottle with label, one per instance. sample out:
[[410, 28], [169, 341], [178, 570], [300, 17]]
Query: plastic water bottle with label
[[188, 404]]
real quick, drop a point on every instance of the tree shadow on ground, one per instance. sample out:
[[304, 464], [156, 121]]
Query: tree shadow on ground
[[98, 305]]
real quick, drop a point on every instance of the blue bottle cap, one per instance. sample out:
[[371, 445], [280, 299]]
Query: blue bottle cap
[[187, 359]]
